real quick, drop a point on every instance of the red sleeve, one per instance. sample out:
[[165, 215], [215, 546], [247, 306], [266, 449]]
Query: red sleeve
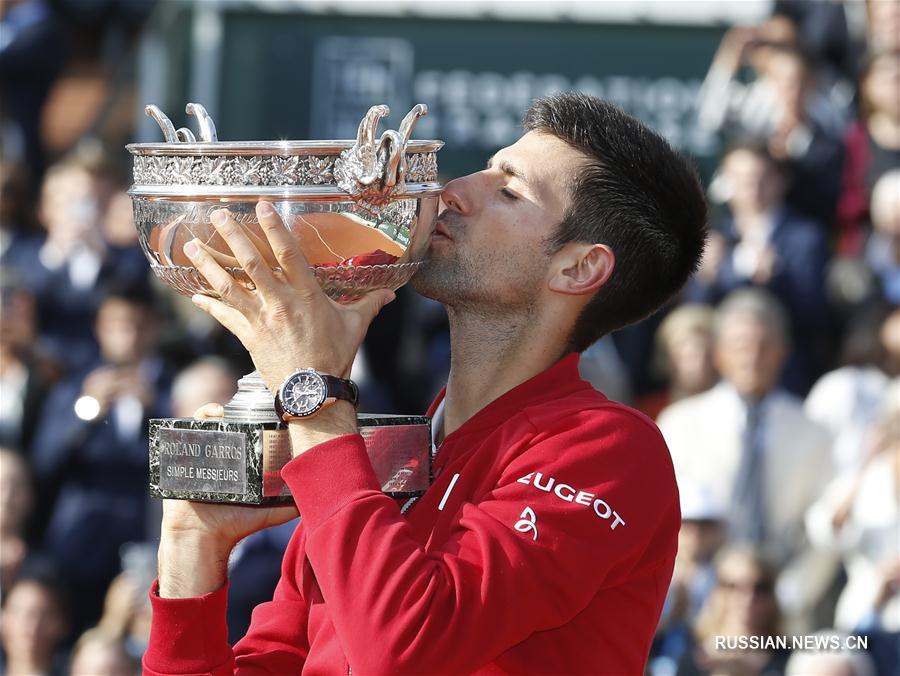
[[190, 636], [520, 559]]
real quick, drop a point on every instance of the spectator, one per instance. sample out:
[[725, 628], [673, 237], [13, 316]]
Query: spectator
[[126, 612], [25, 373], [683, 355], [16, 501], [17, 226], [729, 105], [126, 608], [842, 661], [32, 51], [93, 458], [807, 134], [883, 248], [750, 445], [72, 267], [32, 627], [846, 401], [702, 534], [97, 653], [209, 380], [859, 516], [743, 604], [764, 243], [884, 23], [872, 145]]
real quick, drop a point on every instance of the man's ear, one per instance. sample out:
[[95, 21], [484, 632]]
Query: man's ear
[[582, 268]]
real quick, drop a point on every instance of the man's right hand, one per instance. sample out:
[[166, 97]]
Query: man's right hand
[[196, 538]]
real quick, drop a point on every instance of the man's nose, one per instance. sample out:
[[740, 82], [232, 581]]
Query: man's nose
[[457, 196]]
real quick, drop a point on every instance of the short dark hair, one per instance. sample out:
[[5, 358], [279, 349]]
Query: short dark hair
[[636, 195]]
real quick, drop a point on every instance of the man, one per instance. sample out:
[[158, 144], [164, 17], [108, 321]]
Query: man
[[547, 540], [90, 462], [750, 444], [764, 243]]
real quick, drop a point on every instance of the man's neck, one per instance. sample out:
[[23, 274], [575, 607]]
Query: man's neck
[[491, 355]]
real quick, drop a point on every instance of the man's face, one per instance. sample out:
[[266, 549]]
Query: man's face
[[123, 331], [489, 245], [749, 355], [755, 185]]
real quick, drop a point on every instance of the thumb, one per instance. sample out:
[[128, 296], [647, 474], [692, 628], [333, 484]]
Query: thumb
[[370, 305]]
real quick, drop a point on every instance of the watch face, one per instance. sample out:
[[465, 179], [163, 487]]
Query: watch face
[[303, 393]]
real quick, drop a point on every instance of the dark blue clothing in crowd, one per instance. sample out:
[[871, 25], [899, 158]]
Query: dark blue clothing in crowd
[[797, 280], [92, 476], [66, 309]]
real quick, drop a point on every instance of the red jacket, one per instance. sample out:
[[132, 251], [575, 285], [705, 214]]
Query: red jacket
[[545, 545]]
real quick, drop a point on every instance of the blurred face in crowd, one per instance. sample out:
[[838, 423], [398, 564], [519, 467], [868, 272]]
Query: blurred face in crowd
[[749, 354], [774, 30], [880, 88], [890, 341], [124, 330], [15, 492], [102, 657], [199, 385], [885, 205], [754, 184], [747, 596], [700, 539], [790, 79], [69, 204], [18, 327], [690, 356], [32, 623], [884, 23], [118, 221], [497, 221]]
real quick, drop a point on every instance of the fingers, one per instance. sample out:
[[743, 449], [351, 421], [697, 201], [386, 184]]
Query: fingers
[[286, 249], [233, 319], [222, 283], [244, 249], [209, 412]]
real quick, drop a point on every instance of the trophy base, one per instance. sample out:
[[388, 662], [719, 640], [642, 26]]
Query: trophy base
[[230, 461]]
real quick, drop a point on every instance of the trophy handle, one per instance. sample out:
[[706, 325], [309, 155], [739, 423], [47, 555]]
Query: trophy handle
[[185, 135], [365, 134], [168, 129], [204, 121]]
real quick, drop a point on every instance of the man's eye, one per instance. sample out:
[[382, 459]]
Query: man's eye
[[508, 194]]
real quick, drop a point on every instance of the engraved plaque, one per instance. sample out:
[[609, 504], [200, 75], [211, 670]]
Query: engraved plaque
[[240, 462], [202, 460], [276, 449]]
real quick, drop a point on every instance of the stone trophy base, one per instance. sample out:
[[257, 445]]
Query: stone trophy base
[[238, 459]]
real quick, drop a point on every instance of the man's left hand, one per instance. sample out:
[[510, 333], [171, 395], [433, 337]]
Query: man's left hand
[[283, 318]]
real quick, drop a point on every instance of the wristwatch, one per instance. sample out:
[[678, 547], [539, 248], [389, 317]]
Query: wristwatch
[[304, 392]]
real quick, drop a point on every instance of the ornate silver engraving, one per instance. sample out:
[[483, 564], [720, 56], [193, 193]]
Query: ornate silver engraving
[[250, 170]]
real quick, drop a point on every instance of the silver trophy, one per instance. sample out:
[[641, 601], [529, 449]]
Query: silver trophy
[[363, 212]]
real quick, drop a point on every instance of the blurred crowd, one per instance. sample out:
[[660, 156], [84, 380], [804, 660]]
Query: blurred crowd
[[774, 377]]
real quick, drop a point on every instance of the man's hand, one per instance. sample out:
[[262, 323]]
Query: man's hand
[[283, 319], [197, 537], [102, 384]]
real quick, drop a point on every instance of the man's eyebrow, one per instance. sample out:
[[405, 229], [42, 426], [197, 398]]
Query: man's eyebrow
[[508, 169]]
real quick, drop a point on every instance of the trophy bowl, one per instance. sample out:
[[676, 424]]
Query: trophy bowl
[[362, 211]]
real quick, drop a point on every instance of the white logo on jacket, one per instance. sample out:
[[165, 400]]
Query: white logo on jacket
[[568, 493], [527, 522]]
